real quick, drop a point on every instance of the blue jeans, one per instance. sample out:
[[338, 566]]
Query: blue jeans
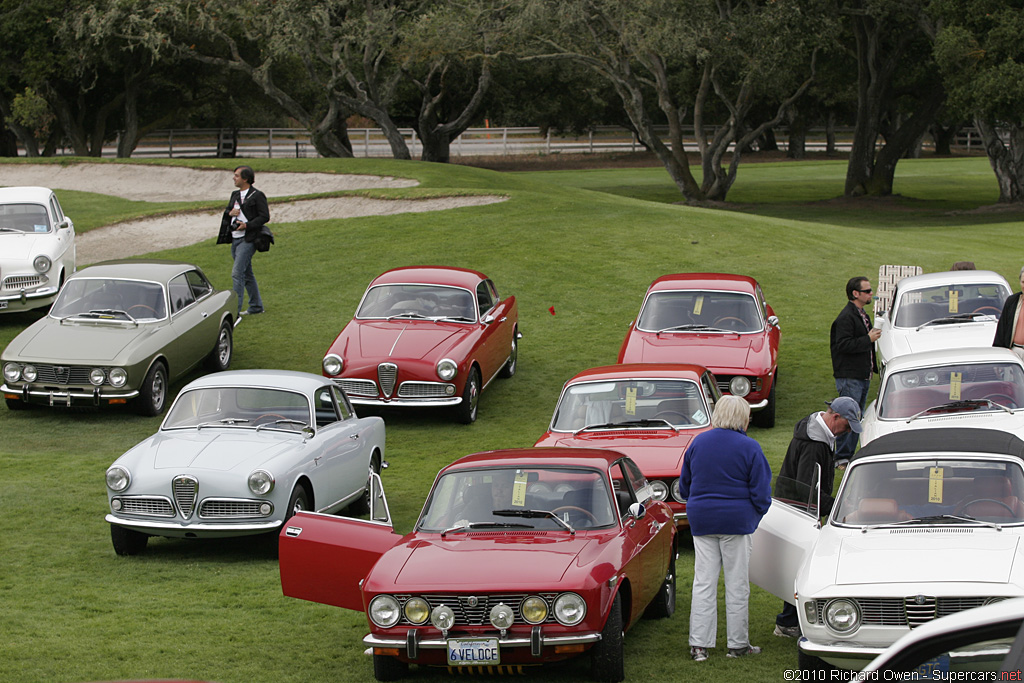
[[857, 389], [242, 278]]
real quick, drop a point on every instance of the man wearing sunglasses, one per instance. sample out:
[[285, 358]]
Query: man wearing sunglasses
[[852, 343]]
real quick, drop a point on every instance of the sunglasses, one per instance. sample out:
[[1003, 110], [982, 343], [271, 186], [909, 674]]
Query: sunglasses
[[865, 291]]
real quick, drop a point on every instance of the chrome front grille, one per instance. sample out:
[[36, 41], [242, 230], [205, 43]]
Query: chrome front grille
[[386, 375], [423, 390], [910, 611], [185, 489], [156, 506], [222, 508], [475, 610], [19, 282], [357, 387], [62, 374]]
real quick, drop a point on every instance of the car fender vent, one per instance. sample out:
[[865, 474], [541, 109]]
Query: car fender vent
[[186, 490]]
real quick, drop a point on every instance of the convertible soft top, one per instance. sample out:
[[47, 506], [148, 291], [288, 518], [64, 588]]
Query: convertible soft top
[[943, 440]]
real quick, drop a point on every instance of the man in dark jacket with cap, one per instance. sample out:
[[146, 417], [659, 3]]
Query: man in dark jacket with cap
[[808, 458]]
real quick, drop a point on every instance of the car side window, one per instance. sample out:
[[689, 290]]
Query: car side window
[[326, 411], [58, 215], [625, 495], [181, 293], [484, 297], [342, 401], [637, 480], [710, 390], [198, 283]]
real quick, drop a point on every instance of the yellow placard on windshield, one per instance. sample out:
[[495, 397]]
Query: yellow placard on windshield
[[519, 489], [954, 301], [630, 401], [698, 304], [935, 485], [955, 379]]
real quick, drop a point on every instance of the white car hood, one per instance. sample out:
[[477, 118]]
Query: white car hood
[[919, 554], [987, 419], [24, 246], [902, 341]]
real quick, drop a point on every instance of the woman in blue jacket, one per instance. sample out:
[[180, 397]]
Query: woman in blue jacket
[[726, 482]]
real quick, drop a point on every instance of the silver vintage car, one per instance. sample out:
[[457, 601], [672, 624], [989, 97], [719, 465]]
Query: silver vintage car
[[239, 453]]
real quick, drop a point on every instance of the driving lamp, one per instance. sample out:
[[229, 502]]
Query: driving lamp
[[384, 611], [739, 386]]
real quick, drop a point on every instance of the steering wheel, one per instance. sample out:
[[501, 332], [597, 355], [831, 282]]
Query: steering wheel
[[963, 508], [260, 417], [729, 318], [986, 309], [148, 308], [667, 414], [573, 508], [1003, 399]]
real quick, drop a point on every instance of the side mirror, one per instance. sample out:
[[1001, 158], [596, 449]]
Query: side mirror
[[64, 224], [773, 320], [488, 319], [637, 510], [379, 511]]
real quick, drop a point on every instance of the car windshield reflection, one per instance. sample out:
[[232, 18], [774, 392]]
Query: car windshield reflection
[[416, 301], [633, 403], [941, 304], [699, 311], [941, 491], [103, 298], [239, 407], [956, 387], [22, 218], [518, 498]]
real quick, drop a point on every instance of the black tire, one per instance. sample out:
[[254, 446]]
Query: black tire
[[127, 541], [466, 411], [806, 662], [387, 668], [219, 359], [16, 404], [361, 506], [509, 369], [299, 500], [607, 659], [153, 394], [765, 418], [664, 603]]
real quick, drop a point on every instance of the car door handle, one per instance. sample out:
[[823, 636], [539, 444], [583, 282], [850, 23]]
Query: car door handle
[[502, 319], [205, 314], [353, 436]]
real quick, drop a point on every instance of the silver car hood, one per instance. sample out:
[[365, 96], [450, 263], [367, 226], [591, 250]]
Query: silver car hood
[[214, 448]]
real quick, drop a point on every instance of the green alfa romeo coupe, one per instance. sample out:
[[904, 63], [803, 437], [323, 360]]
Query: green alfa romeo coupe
[[120, 332]]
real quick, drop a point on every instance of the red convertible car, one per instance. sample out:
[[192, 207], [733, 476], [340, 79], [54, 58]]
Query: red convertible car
[[647, 411], [520, 557], [719, 321], [426, 336]]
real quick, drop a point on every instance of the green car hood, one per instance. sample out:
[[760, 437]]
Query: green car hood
[[49, 341]]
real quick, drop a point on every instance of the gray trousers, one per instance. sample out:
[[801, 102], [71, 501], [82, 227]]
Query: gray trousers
[[714, 552]]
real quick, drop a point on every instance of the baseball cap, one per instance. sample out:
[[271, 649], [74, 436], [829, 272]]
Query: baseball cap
[[848, 408]]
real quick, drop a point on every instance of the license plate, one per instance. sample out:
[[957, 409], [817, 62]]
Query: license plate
[[933, 667], [473, 652]]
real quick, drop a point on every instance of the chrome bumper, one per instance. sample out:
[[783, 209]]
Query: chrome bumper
[[537, 641], [25, 295], [843, 654], [94, 396], [405, 402], [200, 528], [759, 406]]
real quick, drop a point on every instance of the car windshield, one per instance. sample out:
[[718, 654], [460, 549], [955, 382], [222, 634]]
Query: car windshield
[[418, 301], [938, 491], [654, 403], [947, 304], [518, 498], [699, 311], [23, 218], [106, 298], [238, 407], [956, 387]]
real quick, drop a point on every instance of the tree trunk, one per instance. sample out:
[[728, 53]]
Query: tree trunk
[[130, 135], [797, 148], [944, 137], [1007, 162], [436, 147]]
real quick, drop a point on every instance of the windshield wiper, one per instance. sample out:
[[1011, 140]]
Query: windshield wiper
[[487, 525], [410, 314], [535, 514], [954, 318], [954, 405], [454, 319], [6, 229], [230, 421], [284, 421], [629, 423], [931, 519]]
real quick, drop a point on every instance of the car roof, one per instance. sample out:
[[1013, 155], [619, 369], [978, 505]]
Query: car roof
[[13, 195], [969, 354], [951, 277], [266, 379], [641, 371], [143, 269], [722, 281], [433, 275], [539, 457], [945, 440]]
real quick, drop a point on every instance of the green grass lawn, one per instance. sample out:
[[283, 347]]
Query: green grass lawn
[[587, 243]]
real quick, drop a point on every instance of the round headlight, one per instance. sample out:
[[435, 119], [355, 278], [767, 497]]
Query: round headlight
[[384, 611], [570, 609], [739, 386], [417, 611], [12, 372], [29, 373], [674, 490], [118, 478], [261, 482], [534, 610], [442, 617], [447, 369], [502, 616], [842, 615], [96, 376], [333, 364], [659, 489], [41, 263], [266, 509], [117, 377]]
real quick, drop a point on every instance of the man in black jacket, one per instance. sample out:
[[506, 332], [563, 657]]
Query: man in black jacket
[[247, 212], [852, 344], [1010, 328]]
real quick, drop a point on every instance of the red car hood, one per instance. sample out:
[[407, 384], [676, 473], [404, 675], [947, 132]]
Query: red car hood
[[657, 452], [716, 352], [477, 560], [403, 339]]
